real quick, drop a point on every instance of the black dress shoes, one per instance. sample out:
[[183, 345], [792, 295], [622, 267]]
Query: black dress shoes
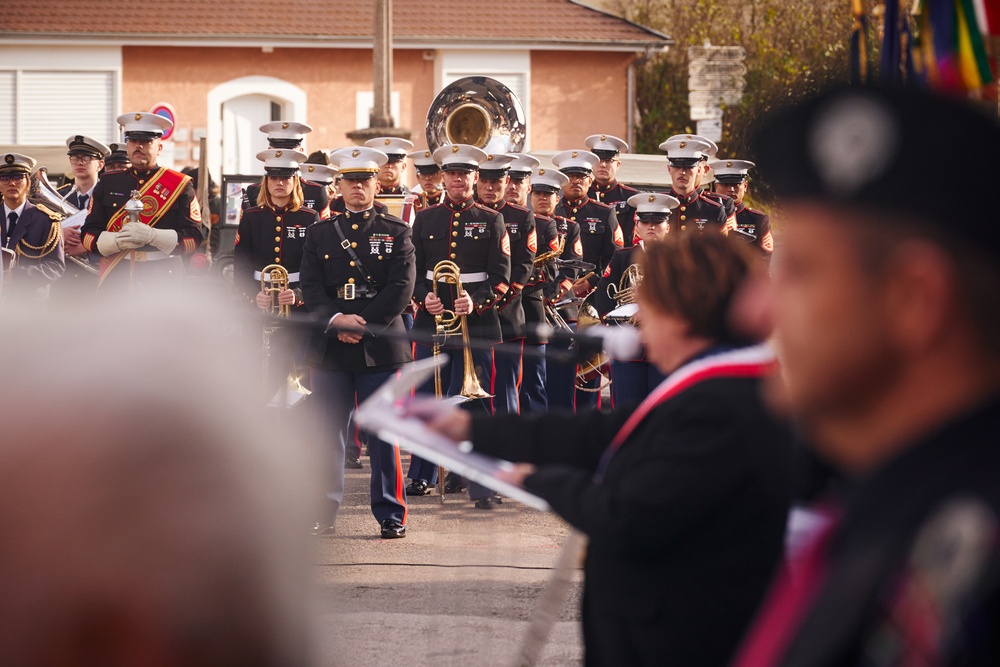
[[392, 529], [453, 483], [327, 523], [353, 463], [322, 528], [418, 487], [487, 503]]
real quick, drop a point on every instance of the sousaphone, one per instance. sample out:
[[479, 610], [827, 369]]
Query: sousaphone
[[478, 111]]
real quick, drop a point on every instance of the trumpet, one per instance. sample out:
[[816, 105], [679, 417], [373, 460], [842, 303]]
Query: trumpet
[[273, 281], [623, 294], [449, 322]]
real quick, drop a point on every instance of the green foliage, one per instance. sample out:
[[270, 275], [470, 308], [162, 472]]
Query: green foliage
[[793, 47]]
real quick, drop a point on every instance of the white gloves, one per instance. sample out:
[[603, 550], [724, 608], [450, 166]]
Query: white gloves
[[136, 235], [107, 243]]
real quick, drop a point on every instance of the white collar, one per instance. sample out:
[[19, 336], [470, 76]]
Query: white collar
[[19, 210]]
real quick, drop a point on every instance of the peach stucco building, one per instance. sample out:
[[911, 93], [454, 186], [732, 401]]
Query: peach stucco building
[[224, 67]]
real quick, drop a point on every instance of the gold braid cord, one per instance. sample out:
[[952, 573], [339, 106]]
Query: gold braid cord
[[37, 252]]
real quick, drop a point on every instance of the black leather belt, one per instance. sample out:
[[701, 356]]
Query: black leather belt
[[350, 292]]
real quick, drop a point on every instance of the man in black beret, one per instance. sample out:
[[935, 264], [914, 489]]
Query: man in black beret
[[886, 279]]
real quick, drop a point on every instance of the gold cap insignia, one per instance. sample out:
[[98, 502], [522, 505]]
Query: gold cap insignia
[[355, 153], [284, 126], [388, 141], [575, 154], [138, 116], [541, 172], [729, 164], [311, 169], [78, 139], [9, 159], [277, 153], [652, 198], [454, 149], [604, 137], [683, 144], [489, 158], [427, 153]]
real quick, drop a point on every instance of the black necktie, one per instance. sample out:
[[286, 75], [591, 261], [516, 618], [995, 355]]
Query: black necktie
[[11, 221], [83, 199]]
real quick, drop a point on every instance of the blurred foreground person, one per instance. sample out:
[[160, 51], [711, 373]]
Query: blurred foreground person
[[886, 311], [685, 498], [144, 525]]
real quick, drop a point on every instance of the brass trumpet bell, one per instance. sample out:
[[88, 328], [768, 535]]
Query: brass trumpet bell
[[478, 111]]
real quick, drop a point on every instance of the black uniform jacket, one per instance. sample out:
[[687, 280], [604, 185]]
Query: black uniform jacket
[[474, 237], [520, 223], [698, 211], [687, 526], [757, 224], [114, 190], [314, 196], [599, 231], [616, 196], [878, 573], [269, 236], [559, 288], [532, 297], [37, 241], [620, 261], [384, 247]]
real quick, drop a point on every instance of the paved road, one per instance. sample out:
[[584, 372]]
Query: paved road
[[459, 589]]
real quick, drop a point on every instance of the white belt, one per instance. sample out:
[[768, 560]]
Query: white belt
[[150, 256], [477, 277], [292, 277]]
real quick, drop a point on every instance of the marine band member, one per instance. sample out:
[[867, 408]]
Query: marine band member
[[117, 161], [475, 238], [170, 224], [274, 231], [606, 188], [358, 271], [687, 163], [633, 380], [731, 179], [519, 185], [520, 222], [86, 160], [430, 180], [33, 237], [288, 135], [390, 174], [599, 233]]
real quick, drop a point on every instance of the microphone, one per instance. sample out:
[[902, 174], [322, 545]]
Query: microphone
[[621, 343]]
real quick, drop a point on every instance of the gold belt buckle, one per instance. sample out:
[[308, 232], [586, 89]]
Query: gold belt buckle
[[349, 292]]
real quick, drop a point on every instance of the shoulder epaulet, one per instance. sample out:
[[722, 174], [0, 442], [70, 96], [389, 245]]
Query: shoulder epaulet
[[518, 207], [430, 208], [600, 204], [308, 210], [52, 242], [628, 188], [715, 202], [252, 209], [53, 215], [486, 208], [64, 189], [755, 211]]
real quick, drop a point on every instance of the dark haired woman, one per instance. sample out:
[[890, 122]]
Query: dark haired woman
[[684, 498]]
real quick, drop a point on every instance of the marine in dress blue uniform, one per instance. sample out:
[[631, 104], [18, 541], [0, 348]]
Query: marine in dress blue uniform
[[32, 236], [358, 270], [606, 187], [632, 380], [687, 161], [170, 224], [600, 235], [474, 237], [289, 135], [429, 190], [390, 175], [732, 178], [520, 223]]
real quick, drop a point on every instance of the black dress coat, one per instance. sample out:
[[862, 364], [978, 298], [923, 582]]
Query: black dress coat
[[686, 528]]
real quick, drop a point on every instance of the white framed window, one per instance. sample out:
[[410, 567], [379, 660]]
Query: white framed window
[[511, 68], [50, 93]]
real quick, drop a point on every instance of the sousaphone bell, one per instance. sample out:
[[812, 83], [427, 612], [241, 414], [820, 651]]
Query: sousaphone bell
[[478, 111]]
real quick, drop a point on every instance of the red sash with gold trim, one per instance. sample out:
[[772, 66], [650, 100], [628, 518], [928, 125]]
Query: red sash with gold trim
[[157, 196]]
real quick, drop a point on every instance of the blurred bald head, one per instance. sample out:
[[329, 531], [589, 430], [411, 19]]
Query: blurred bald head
[[146, 517]]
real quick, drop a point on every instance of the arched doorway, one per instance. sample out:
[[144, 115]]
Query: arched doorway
[[236, 109]]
